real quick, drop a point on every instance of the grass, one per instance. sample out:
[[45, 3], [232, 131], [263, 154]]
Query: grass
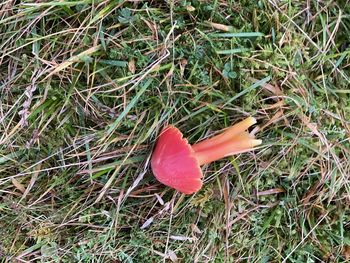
[[87, 85]]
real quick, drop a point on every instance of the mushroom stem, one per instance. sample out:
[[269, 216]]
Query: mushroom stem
[[227, 135], [242, 142]]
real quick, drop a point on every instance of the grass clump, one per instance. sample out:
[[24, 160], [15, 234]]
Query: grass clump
[[86, 87]]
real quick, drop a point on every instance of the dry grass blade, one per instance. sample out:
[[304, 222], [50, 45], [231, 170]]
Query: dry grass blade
[[70, 61]]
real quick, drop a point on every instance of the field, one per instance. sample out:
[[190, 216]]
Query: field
[[86, 87]]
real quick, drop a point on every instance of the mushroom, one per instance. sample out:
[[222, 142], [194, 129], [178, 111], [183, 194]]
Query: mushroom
[[176, 163]]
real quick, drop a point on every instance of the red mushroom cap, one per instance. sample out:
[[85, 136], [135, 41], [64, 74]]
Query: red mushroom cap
[[174, 164]]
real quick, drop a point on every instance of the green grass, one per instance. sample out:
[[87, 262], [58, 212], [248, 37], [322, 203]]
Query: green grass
[[86, 86]]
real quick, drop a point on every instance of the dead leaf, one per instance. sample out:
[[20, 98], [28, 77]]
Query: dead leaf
[[160, 200], [131, 66], [190, 8], [183, 63], [18, 185], [221, 27], [195, 229], [172, 256], [274, 90], [346, 252], [32, 181], [270, 89], [148, 222]]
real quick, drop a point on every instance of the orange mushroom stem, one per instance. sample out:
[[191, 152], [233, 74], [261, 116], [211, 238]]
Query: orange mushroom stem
[[232, 141]]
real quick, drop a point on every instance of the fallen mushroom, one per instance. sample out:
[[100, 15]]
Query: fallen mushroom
[[176, 163]]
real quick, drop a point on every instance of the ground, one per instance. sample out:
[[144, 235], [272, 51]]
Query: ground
[[87, 85]]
